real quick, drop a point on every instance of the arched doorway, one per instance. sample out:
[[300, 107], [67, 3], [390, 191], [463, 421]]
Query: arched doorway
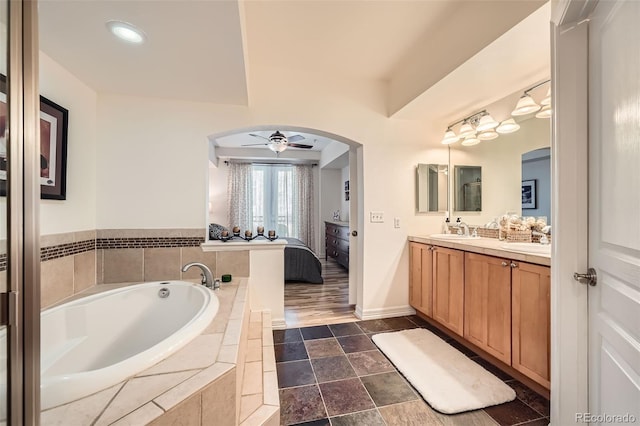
[[330, 152]]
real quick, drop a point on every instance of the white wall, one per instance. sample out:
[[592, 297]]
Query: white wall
[[153, 166], [218, 200], [78, 211], [501, 162]]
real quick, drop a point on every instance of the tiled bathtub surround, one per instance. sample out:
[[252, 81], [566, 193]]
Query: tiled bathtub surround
[[198, 385], [68, 265], [73, 262]]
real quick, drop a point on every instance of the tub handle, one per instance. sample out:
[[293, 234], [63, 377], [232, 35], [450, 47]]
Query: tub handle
[[163, 293]]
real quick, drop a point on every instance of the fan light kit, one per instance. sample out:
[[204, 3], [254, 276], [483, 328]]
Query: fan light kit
[[481, 126], [278, 142]]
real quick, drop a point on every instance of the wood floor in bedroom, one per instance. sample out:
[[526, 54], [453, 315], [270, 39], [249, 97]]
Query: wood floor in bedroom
[[313, 304]]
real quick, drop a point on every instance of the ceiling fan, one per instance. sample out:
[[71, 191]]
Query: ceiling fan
[[278, 142]]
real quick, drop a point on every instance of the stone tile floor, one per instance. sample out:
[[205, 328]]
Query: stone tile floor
[[335, 375]]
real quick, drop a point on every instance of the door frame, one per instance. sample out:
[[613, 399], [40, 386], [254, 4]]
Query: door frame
[[23, 200], [569, 252]]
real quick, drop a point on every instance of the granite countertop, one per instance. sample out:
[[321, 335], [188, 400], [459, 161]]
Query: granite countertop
[[488, 246]]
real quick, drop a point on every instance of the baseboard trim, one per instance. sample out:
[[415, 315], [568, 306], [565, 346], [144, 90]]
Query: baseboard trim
[[278, 324], [377, 313]]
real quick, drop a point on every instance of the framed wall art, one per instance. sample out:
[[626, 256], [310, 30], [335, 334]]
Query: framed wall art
[[54, 121]]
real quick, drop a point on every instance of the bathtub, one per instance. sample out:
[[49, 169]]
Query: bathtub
[[97, 341]]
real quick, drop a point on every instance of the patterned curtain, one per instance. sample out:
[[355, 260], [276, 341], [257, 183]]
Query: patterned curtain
[[274, 196], [240, 196], [303, 197]]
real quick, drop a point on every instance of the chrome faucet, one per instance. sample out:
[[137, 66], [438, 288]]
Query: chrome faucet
[[463, 228], [207, 276]]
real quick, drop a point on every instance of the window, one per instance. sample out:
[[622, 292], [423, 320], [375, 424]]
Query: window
[[272, 193]]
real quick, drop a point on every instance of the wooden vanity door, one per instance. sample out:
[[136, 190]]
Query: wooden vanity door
[[531, 286], [487, 307], [448, 288], [420, 267]]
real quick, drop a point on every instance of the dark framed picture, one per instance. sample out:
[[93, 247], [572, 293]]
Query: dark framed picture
[[54, 121], [529, 194], [346, 195], [346, 185]]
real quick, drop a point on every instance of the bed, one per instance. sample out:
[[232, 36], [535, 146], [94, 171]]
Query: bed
[[300, 263]]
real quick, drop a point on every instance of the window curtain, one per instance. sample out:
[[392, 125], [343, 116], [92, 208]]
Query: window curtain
[[240, 195], [279, 197]]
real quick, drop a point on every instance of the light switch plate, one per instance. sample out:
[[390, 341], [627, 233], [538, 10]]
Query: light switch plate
[[396, 222], [376, 217]]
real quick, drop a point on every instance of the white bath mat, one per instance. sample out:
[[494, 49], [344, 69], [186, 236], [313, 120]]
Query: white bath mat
[[449, 381]]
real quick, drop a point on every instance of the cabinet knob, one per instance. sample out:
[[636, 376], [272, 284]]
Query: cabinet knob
[[514, 265], [504, 263]]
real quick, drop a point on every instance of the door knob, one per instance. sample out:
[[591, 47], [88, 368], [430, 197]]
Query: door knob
[[354, 233], [590, 277]]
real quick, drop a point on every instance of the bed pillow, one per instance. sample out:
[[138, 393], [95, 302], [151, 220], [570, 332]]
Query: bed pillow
[[215, 231]]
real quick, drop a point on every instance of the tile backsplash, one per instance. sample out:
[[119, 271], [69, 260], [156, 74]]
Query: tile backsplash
[[73, 262]]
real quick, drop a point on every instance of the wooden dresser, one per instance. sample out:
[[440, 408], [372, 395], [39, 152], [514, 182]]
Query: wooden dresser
[[337, 242]]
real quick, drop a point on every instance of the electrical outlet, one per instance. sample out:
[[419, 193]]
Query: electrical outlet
[[396, 222], [376, 217]]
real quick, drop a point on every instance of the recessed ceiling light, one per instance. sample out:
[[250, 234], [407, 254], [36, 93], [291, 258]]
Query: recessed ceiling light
[[127, 32]]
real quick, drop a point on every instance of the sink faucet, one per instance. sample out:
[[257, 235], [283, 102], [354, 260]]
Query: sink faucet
[[207, 276], [462, 226]]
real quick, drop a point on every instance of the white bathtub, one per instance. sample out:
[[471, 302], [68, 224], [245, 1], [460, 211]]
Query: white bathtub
[[95, 342]]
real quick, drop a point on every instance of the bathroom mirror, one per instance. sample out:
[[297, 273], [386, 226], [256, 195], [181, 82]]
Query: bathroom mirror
[[467, 188], [432, 190], [536, 183], [501, 161]]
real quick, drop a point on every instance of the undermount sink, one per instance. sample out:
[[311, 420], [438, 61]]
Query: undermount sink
[[453, 237], [528, 247]]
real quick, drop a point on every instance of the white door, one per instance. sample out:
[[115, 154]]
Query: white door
[[614, 212]]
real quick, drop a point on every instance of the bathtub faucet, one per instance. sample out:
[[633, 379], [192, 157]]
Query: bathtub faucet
[[207, 276]]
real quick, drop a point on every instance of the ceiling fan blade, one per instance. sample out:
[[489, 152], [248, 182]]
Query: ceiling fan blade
[[258, 136], [299, 145], [295, 138], [255, 144]]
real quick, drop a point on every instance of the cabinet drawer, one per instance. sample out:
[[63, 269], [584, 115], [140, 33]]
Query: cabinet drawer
[[338, 231], [332, 241]]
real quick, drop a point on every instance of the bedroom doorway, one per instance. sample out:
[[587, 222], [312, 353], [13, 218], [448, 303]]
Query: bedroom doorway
[[336, 165]]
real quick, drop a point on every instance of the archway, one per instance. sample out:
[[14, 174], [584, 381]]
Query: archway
[[220, 151]]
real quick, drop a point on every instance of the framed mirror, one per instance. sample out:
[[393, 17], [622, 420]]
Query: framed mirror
[[467, 188], [432, 188]]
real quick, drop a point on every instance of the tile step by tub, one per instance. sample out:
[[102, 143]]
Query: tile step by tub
[[259, 401]]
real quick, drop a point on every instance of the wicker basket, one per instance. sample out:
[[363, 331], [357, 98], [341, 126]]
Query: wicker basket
[[514, 236]]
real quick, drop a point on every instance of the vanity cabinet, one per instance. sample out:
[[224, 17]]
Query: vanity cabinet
[[420, 278], [531, 328], [448, 288], [499, 305], [487, 307]]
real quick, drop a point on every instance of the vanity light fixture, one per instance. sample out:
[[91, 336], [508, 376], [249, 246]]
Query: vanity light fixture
[[466, 129], [508, 126], [526, 104], [126, 32], [470, 141], [545, 112], [450, 137], [487, 122], [547, 98], [487, 135]]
